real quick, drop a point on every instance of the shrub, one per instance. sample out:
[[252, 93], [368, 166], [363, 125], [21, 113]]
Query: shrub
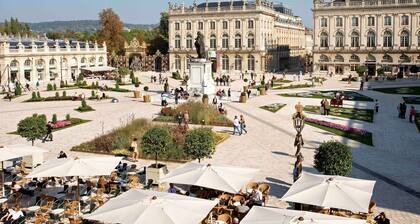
[[92, 93], [262, 83], [84, 107], [34, 97], [54, 87], [57, 95], [361, 70], [18, 90], [68, 117], [146, 88], [199, 143], [156, 141], [49, 87], [167, 111], [205, 96], [245, 80], [176, 75], [333, 158], [117, 85], [38, 95], [123, 71], [32, 128], [54, 118], [243, 94], [198, 112], [64, 93], [380, 71]]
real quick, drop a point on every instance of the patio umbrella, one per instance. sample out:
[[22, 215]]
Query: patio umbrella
[[266, 215], [150, 207], [332, 191], [222, 178], [76, 167]]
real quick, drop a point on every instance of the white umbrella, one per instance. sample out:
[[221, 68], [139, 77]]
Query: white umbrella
[[150, 207], [222, 178], [266, 215], [332, 191]]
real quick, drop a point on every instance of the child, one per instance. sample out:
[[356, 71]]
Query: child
[[376, 106]]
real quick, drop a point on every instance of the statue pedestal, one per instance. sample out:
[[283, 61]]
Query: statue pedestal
[[200, 78]]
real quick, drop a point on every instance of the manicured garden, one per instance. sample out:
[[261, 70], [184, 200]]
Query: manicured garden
[[348, 95], [294, 86], [350, 113], [356, 134], [273, 107], [413, 90]]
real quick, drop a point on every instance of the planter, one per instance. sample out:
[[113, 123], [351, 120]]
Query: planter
[[205, 100], [245, 89], [242, 99], [153, 173], [136, 94], [147, 99], [262, 91]]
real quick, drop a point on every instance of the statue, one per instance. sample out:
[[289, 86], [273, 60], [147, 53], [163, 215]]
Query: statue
[[135, 64], [199, 46]]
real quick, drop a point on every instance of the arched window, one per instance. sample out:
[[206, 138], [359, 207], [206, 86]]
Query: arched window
[[405, 39], [238, 41], [92, 60], [177, 41], [225, 41], [28, 63], [40, 62], [101, 59], [354, 58], [177, 62], [238, 63], [371, 58], [387, 58], [355, 39], [324, 58], [14, 64], [371, 39], [225, 62], [83, 60], [338, 58], [339, 39], [324, 40], [213, 41], [388, 39], [189, 42], [251, 63], [73, 62], [52, 62], [251, 40], [405, 59]]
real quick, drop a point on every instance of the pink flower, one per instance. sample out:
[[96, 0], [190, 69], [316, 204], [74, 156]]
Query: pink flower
[[61, 124], [346, 128]]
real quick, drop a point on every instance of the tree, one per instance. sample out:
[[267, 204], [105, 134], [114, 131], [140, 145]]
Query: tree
[[164, 25], [199, 143], [123, 71], [111, 30], [333, 158], [155, 141], [32, 128], [361, 70]]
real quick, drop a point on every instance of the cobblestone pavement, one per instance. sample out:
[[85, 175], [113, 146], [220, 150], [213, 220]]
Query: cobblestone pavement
[[393, 162]]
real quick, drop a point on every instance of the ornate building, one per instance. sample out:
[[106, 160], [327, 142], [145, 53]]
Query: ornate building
[[29, 60], [136, 58], [375, 33], [239, 36]]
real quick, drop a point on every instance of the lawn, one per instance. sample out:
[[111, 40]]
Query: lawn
[[417, 121], [350, 113], [412, 100], [297, 86], [413, 90], [349, 95], [273, 107]]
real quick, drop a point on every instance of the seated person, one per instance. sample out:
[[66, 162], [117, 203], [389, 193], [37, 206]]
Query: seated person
[[4, 211], [172, 188], [256, 198], [221, 108], [62, 155], [114, 100], [15, 216]]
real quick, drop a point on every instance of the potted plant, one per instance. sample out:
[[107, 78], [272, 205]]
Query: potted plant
[[242, 98], [205, 99], [262, 91], [146, 97], [156, 141]]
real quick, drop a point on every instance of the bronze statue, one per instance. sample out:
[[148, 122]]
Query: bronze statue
[[199, 46]]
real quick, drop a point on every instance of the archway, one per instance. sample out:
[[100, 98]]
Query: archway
[[158, 64]]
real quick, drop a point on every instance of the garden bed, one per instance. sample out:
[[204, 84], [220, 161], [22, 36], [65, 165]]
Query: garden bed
[[50, 98], [412, 100], [297, 86], [413, 90], [356, 134], [348, 95], [273, 107], [417, 121], [63, 124], [350, 113]]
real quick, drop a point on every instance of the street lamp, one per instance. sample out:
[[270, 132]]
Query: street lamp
[[298, 124]]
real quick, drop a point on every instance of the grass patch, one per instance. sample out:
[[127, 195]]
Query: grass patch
[[366, 139], [74, 122], [282, 81], [350, 113], [298, 86], [273, 107], [417, 121], [120, 90], [411, 100], [413, 90], [348, 95]]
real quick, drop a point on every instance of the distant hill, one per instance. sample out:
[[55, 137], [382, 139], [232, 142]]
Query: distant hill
[[78, 26]]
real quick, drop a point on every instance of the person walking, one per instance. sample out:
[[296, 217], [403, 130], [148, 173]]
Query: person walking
[[403, 110], [326, 107], [322, 108], [186, 119], [179, 118], [49, 132], [249, 93], [214, 101], [376, 106], [243, 124], [413, 113], [133, 149], [236, 126], [229, 94], [362, 84]]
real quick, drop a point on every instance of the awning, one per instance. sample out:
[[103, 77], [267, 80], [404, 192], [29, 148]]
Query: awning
[[99, 69]]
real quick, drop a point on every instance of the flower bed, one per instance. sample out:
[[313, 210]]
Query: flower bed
[[348, 95], [356, 134], [61, 124], [350, 113]]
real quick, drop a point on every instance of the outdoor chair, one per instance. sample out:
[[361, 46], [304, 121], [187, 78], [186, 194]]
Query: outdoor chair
[[75, 220], [265, 190], [225, 218], [251, 185], [225, 198], [71, 209], [41, 217], [238, 198]]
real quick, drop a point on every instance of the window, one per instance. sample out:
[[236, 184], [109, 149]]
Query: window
[[200, 25], [177, 41], [388, 39], [418, 39], [355, 21], [177, 62], [251, 40], [251, 63], [405, 39], [405, 20], [250, 24], [338, 58], [188, 26], [225, 41], [387, 58], [213, 41], [225, 25], [237, 24], [83, 60], [324, 40], [354, 58], [238, 63], [355, 39], [189, 42], [176, 26], [339, 22], [387, 21], [212, 25], [323, 68], [339, 39], [371, 21], [14, 64], [324, 58], [371, 39], [324, 22], [238, 41], [225, 62], [52, 62], [101, 59]]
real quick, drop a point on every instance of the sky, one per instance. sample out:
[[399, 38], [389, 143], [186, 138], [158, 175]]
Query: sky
[[130, 11]]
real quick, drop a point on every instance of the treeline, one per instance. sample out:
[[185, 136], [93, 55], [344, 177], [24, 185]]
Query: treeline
[[13, 26]]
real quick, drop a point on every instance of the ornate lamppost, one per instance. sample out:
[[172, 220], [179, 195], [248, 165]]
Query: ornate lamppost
[[298, 124]]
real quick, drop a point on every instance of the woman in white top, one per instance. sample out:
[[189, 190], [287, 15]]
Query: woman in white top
[[133, 149]]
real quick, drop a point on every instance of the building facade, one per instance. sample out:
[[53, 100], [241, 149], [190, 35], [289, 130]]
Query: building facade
[[239, 36], [375, 33], [29, 60]]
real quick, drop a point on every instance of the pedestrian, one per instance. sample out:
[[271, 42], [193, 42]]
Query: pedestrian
[[321, 109], [284, 75], [403, 109], [133, 149], [49, 132], [229, 94], [62, 155], [413, 113], [217, 81], [176, 96], [236, 126], [362, 84], [37, 84], [243, 124], [186, 119], [164, 101], [228, 80], [326, 107], [376, 106], [294, 77], [249, 93], [214, 101], [179, 118], [382, 219]]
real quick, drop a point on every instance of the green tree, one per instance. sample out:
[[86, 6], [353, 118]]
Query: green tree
[[54, 118], [361, 70], [123, 71], [111, 30], [333, 158], [18, 90], [199, 143], [156, 141], [32, 128], [164, 25]]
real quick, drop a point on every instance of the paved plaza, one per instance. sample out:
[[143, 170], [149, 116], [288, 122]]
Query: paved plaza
[[393, 161]]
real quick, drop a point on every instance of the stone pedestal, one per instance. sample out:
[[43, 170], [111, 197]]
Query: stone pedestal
[[200, 78]]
